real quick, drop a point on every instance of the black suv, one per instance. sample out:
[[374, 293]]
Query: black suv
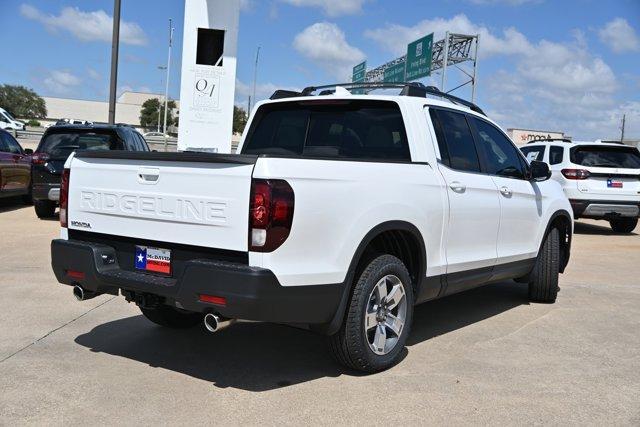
[[58, 142]]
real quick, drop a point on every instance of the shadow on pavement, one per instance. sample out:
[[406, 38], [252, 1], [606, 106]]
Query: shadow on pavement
[[261, 356], [593, 229], [8, 204]]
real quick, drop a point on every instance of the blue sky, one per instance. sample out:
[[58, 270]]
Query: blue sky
[[544, 64]]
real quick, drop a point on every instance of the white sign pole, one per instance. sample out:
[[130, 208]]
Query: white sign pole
[[208, 77]]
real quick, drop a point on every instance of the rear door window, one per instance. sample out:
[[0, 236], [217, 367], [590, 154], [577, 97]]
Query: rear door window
[[555, 155], [359, 130], [533, 153], [63, 144], [606, 156], [460, 149]]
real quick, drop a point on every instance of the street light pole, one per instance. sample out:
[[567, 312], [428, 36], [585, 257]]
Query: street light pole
[[115, 41], [160, 67], [166, 90], [255, 76]]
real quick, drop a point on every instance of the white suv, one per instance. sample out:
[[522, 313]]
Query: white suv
[[340, 214], [601, 180]]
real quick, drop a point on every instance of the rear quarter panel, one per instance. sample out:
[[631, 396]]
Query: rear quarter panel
[[338, 202]]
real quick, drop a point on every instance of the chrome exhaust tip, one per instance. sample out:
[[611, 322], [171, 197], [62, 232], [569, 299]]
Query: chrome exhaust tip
[[215, 323], [81, 294]]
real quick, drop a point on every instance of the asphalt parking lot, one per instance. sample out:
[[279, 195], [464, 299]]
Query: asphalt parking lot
[[486, 356]]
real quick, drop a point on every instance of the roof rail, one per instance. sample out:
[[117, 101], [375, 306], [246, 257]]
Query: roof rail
[[550, 140], [408, 89]]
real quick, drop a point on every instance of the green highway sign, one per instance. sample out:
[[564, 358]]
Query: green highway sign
[[419, 58], [359, 72], [395, 73]]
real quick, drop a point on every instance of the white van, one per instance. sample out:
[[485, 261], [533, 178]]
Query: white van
[[7, 121]]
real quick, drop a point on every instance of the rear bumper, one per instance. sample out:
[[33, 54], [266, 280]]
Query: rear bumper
[[251, 293], [46, 191], [604, 209]]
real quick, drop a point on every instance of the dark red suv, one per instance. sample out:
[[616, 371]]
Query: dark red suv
[[15, 168]]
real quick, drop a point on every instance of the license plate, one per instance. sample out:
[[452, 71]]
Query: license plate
[[612, 183], [156, 260]]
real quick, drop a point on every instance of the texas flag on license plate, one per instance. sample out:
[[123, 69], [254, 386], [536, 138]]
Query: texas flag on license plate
[[153, 259], [614, 184]]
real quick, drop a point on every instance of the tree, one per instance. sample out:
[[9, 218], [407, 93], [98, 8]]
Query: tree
[[149, 113], [20, 101], [239, 119]]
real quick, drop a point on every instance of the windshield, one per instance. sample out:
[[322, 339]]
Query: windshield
[[61, 145], [8, 115], [606, 156]]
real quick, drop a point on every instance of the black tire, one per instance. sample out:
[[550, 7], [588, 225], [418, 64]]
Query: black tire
[[44, 208], [350, 345], [171, 317], [543, 281], [623, 225]]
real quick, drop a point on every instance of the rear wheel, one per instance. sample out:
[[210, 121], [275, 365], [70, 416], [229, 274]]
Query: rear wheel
[[543, 281], [44, 208], [623, 225], [378, 319], [171, 317]]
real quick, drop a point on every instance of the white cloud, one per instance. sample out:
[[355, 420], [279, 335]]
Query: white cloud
[[61, 82], [620, 36], [86, 26], [507, 2], [93, 74], [324, 43], [331, 7], [394, 38], [263, 91]]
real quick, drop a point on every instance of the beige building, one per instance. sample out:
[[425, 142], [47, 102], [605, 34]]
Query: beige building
[[524, 136], [128, 106]]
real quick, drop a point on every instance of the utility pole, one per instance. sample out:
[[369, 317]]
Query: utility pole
[[166, 90], [115, 42], [160, 67], [624, 119], [475, 70], [255, 76], [445, 57]]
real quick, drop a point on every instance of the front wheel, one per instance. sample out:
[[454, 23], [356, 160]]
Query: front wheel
[[172, 317], [623, 225], [378, 319], [543, 281]]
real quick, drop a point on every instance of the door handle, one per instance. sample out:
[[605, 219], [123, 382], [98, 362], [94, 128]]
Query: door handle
[[458, 187], [505, 191]]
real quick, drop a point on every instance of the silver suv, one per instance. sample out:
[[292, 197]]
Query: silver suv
[[601, 180]]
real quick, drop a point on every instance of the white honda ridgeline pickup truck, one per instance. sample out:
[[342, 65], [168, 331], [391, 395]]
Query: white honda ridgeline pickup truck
[[340, 213]]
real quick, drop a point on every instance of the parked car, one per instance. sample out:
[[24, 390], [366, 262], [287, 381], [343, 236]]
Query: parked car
[[58, 142], [15, 168], [63, 122], [340, 214], [7, 121], [601, 180], [156, 135]]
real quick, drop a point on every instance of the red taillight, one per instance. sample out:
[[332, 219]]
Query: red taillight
[[39, 158], [212, 299], [575, 173], [270, 214], [75, 274], [64, 197]]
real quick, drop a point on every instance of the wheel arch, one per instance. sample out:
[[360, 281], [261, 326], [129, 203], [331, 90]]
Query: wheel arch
[[407, 239]]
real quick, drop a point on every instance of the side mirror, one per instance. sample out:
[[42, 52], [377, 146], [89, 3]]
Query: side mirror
[[28, 151], [539, 171]]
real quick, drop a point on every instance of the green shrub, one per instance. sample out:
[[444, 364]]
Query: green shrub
[[34, 123]]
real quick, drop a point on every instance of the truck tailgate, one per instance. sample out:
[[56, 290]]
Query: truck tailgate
[[189, 198]]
